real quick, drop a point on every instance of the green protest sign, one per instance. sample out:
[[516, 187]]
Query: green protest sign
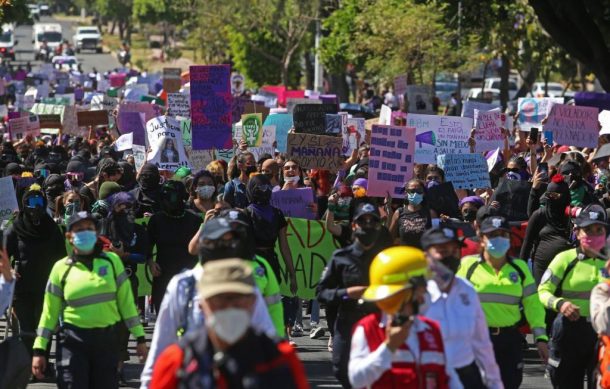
[[311, 246], [252, 128], [185, 127]]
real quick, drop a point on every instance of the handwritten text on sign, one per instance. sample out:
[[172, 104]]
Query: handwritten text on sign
[[465, 171], [438, 135], [294, 202], [390, 160], [573, 125], [488, 134], [178, 104], [211, 107], [311, 246], [316, 151]]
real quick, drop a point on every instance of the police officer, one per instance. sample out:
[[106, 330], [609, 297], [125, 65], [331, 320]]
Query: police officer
[[566, 288], [345, 279], [454, 304], [90, 292], [504, 284]]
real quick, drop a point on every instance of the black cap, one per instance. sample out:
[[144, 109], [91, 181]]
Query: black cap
[[494, 223], [439, 235], [366, 209], [593, 214], [486, 211], [215, 228], [78, 217]]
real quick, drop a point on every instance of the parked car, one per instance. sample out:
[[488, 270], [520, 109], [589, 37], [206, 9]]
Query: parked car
[[49, 32], [45, 10], [7, 42], [491, 96], [65, 62], [494, 83], [88, 38], [34, 12], [357, 110], [554, 89]]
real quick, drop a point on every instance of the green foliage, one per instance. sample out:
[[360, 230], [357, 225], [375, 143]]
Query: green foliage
[[15, 11]]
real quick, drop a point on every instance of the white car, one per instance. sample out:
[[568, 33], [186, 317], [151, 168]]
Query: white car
[[88, 38], [494, 83], [34, 11], [65, 62], [554, 89]]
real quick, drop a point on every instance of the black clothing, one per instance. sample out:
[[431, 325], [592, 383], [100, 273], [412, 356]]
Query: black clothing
[[148, 201], [412, 225]]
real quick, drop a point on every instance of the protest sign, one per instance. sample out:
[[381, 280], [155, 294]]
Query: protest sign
[[269, 99], [282, 123], [311, 246], [593, 99], [17, 128], [438, 135], [254, 107], [390, 160], [574, 126], [291, 103], [92, 118], [185, 127], [164, 137], [238, 106], [49, 121], [604, 120], [139, 155], [353, 135], [398, 118], [336, 123], [533, 110], [135, 92], [311, 118], [488, 133], [178, 104], [252, 125], [56, 100], [493, 159], [400, 86], [133, 122], [266, 147], [465, 171], [294, 202], [211, 107], [199, 159], [150, 111], [419, 99], [470, 105], [124, 142], [237, 84], [8, 198], [225, 154], [101, 101], [385, 115], [315, 151], [444, 199], [171, 80]]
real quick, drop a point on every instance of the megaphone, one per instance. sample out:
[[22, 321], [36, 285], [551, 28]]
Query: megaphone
[[428, 137]]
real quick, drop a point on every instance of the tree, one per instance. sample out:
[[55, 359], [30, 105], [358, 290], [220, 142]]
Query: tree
[[582, 28], [119, 11], [14, 11]]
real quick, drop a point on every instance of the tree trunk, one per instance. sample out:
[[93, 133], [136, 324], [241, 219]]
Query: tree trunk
[[309, 71], [112, 27], [528, 80], [504, 73], [121, 30]]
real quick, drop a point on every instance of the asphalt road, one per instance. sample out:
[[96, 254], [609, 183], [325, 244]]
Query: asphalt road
[[24, 50]]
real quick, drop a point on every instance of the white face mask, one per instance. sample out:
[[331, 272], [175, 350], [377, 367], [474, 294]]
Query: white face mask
[[292, 180], [205, 192], [229, 324]]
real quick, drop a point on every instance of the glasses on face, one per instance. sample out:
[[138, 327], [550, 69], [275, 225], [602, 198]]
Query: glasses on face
[[433, 178], [75, 176], [34, 202], [367, 221], [413, 191], [264, 188], [594, 230], [290, 167]]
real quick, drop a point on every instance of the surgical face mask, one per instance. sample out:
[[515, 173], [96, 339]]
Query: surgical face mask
[[415, 198], [292, 180], [84, 241], [593, 242], [229, 324], [442, 274], [498, 247], [205, 192]]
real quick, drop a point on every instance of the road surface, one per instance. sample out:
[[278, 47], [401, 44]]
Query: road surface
[[24, 50]]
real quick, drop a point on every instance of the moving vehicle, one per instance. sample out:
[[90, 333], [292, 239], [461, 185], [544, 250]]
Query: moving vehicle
[[45, 10], [49, 32], [34, 11], [65, 62], [554, 89], [494, 83], [7, 42], [88, 38]]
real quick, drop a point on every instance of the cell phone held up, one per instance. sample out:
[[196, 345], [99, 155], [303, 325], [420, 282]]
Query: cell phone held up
[[543, 168], [534, 133]]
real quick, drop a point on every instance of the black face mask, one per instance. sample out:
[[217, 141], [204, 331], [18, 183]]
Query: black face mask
[[469, 215], [261, 197], [149, 181], [269, 176], [173, 208], [34, 214], [452, 263], [367, 235]]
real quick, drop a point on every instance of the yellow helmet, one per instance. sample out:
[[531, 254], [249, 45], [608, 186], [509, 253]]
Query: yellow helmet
[[391, 274]]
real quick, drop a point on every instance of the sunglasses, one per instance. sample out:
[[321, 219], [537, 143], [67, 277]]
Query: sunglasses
[[412, 191], [264, 188], [433, 178], [290, 167], [34, 202]]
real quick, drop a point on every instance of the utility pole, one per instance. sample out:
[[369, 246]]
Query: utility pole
[[318, 70]]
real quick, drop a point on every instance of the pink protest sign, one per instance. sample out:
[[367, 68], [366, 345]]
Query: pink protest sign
[[211, 107], [391, 160], [488, 133], [573, 125]]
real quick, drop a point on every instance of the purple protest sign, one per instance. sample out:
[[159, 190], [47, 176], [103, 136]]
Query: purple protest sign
[[573, 125], [294, 202], [593, 99], [211, 107], [391, 160], [133, 122]]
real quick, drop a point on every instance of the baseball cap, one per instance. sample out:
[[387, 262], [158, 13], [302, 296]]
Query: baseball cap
[[366, 209], [215, 228], [439, 235], [593, 214], [231, 275], [494, 223], [78, 217]]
